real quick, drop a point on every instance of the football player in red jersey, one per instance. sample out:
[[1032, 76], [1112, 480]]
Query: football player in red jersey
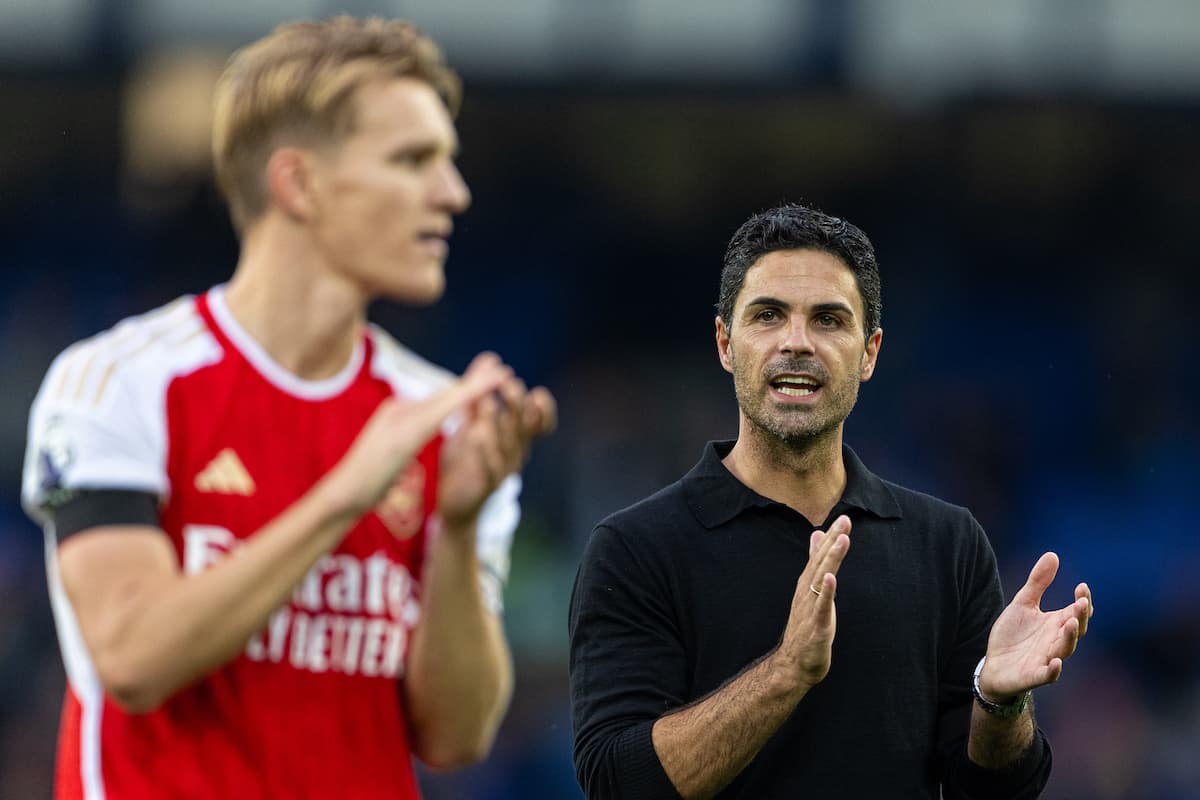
[[275, 537]]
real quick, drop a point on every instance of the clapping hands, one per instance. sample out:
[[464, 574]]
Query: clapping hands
[[1027, 646]]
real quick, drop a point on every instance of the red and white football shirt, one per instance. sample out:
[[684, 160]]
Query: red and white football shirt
[[183, 404]]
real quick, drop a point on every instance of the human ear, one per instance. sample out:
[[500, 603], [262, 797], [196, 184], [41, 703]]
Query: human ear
[[723, 346], [290, 183], [871, 356]]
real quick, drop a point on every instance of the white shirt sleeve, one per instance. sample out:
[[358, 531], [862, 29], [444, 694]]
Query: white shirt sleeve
[[87, 431], [498, 521], [99, 419]]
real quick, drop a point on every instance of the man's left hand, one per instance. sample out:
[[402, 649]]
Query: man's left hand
[[492, 443], [1027, 646]]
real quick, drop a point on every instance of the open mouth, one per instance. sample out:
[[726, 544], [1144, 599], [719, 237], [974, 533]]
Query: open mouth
[[795, 385]]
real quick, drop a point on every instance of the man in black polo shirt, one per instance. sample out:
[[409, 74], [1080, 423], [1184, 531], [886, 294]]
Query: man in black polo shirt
[[722, 644]]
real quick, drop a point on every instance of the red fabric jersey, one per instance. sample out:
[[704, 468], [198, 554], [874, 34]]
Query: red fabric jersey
[[182, 403]]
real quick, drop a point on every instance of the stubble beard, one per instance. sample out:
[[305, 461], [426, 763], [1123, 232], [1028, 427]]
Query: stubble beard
[[797, 429]]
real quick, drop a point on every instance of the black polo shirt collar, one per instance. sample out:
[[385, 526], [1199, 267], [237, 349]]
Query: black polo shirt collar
[[716, 496]]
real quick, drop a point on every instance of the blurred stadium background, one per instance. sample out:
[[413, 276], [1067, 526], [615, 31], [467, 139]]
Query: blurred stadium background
[[1028, 171]]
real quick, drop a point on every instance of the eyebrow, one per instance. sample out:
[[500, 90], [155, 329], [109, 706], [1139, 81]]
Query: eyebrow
[[768, 301], [424, 145], [816, 309], [842, 307]]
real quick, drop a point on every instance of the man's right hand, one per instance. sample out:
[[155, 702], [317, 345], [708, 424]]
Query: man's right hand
[[705, 745], [805, 651]]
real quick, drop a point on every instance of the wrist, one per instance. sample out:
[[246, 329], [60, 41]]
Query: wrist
[[453, 540], [457, 529], [1000, 706], [783, 676], [335, 502], [456, 519]]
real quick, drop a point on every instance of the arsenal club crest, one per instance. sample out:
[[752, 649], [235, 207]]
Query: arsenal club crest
[[403, 507]]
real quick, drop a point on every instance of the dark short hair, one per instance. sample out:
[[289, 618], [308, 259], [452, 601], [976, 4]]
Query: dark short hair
[[798, 227]]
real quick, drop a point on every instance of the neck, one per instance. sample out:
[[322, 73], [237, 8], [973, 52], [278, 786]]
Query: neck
[[809, 477], [305, 317]]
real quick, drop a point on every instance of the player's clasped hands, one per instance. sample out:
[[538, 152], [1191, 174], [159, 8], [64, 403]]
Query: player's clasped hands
[[807, 644], [499, 416], [492, 441]]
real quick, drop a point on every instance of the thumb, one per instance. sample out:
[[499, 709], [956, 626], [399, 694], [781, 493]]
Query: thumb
[[486, 373], [1040, 578], [540, 415]]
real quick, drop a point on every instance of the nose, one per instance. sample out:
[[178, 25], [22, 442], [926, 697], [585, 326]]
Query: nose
[[795, 337], [450, 191]]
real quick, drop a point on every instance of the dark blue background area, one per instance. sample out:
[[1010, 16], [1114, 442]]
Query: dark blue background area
[[1038, 365]]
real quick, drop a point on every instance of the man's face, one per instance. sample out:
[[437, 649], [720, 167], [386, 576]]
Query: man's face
[[385, 195], [795, 345]]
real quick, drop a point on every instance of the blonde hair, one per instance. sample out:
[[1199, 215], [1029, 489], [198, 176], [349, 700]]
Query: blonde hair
[[296, 86]]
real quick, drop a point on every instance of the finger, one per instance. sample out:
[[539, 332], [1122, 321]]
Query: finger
[[839, 544], [1043, 675], [812, 569], [810, 592], [540, 413], [823, 608], [508, 422], [475, 446], [1050, 673], [416, 423], [513, 393], [483, 412], [809, 582], [485, 374], [486, 437], [1083, 590], [1083, 613], [830, 551], [1040, 577], [484, 360], [829, 564], [1083, 594], [840, 525], [1069, 638], [1075, 616]]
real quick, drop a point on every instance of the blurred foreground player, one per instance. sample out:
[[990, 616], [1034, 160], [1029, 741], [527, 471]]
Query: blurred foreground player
[[275, 537]]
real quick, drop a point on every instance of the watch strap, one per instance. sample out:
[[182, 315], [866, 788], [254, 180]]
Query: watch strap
[[1004, 711]]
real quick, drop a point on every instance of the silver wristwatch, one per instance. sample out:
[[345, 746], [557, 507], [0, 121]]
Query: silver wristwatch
[[1006, 711]]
